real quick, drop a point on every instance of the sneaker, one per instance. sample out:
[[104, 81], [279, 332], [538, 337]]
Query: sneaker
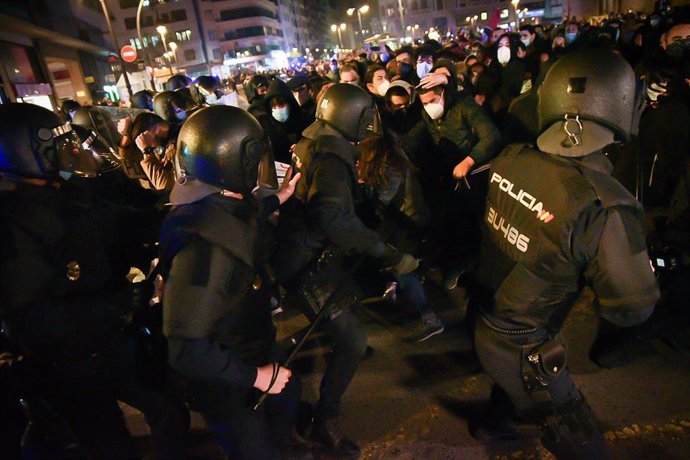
[[426, 332]]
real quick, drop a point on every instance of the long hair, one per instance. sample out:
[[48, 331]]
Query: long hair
[[378, 154]]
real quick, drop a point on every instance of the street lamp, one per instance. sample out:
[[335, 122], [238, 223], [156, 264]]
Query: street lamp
[[117, 47], [162, 30], [364, 9], [173, 49], [515, 4], [336, 28]]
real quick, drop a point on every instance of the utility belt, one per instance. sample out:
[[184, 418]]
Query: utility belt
[[324, 277], [542, 357]]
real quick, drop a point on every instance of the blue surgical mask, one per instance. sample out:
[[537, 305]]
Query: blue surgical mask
[[211, 99], [570, 37], [423, 69], [181, 115], [281, 114]]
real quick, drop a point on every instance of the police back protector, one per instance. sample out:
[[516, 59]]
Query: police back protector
[[527, 269]]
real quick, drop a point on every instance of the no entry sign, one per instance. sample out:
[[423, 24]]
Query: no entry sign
[[128, 53]]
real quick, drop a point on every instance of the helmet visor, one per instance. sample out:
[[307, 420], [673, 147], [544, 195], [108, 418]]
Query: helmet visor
[[105, 157], [72, 158], [267, 177]]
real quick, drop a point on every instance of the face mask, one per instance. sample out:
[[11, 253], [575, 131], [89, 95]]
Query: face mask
[[434, 110], [423, 68], [526, 41], [677, 49], [503, 54], [211, 99], [181, 115], [405, 68], [382, 88], [570, 37], [281, 114], [654, 22]]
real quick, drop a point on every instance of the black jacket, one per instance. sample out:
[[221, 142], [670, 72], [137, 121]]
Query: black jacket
[[62, 272], [283, 134], [546, 234], [216, 311], [322, 211]]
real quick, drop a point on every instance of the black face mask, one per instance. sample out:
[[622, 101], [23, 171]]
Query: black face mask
[[405, 68]]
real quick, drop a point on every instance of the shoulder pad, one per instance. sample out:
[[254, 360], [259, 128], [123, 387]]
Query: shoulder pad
[[609, 191]]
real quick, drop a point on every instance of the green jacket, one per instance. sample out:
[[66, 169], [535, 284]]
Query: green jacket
[[468, 127]]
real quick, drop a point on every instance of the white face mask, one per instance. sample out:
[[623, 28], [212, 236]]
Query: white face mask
[[434, 110], [526, 41], [503, 54], [423, 68], [382, 88]]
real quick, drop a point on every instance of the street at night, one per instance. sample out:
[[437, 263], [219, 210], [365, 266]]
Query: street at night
[[339, 229], [413, 401]]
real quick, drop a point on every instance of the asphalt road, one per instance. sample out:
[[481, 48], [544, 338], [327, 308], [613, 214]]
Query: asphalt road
[[413, 401]]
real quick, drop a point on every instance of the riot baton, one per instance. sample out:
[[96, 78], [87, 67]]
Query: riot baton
[[312, 326]]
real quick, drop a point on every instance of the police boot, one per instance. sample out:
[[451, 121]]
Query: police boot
[[326, 432], [570, 432]]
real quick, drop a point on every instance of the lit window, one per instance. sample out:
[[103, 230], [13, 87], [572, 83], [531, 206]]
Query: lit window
[[504, 14], [483, 16]]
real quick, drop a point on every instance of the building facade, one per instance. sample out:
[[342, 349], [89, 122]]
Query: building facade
[[167, 26], [53, 50]]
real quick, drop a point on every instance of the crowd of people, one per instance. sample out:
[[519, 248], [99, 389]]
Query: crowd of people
[[142, 257]]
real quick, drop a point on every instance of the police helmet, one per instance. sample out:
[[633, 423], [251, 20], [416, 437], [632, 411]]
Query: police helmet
[[177, 81], [143, 99], [171, 106], [225, 147], [203, 87], [34, 143], [350, 110], [68, 108], [99, 121], [589, 98]]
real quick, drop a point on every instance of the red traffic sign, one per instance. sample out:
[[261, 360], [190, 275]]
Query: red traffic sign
[[128, 53]]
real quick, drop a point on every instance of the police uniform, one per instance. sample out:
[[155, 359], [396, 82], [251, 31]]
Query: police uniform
[[217, 315], [543, 238], [317, 230], [553, 223], [63, 289]]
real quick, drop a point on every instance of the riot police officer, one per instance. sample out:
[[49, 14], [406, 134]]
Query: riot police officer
[[216, 300], [316, 230], [548, 233], [63, 289]]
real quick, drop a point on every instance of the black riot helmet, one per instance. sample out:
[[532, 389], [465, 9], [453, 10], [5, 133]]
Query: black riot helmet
[[225, 147], [350, 110], [68, 108], [252, 88], [177, 81], [34, 143], [589, 98], [103, 155], [143, 99], [204, 88], [98, 121], [171, 106]]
